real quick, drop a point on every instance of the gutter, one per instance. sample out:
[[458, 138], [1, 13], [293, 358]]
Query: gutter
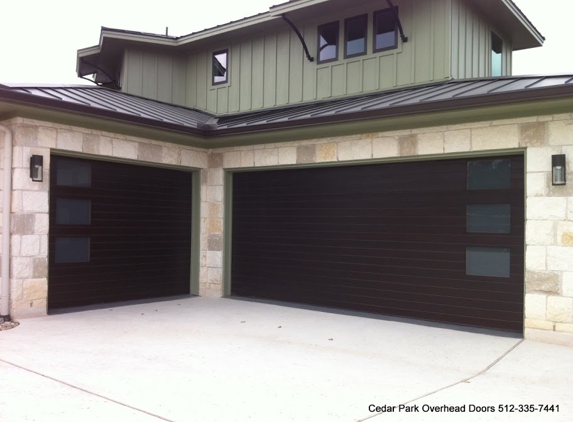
[[85, 110], [219, 127], [470, 102], [6, 211]]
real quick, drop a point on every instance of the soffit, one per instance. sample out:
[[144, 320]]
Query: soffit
[[506, 16]]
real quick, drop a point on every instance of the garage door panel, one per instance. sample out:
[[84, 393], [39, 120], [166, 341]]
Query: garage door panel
[[380, 235], [397, 286], [139, 233], [389, 204], [101, 294], [487, 317], [449, 259], [112, 275], [327, 249], [99, 285], [398, 248], [361, 236], [284, 273]]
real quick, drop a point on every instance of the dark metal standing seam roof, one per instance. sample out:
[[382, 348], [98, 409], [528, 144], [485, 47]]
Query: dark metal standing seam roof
[[117, 102], [455, 94], [424, 96]]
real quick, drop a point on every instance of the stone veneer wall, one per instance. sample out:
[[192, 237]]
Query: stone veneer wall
[[549, 227], [549, 209], [30, 200]]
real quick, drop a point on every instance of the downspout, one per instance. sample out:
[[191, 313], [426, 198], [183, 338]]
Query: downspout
[[6, 210]]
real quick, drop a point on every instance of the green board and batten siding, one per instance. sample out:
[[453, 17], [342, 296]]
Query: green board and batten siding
[[154, 75], [471, 43], [270, 69]]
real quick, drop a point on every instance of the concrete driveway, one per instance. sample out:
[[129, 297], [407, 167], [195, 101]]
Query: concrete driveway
[[201, 359]]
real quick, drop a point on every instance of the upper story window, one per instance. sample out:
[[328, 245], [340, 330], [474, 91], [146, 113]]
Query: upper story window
[[355, 36], [496, 55], [385, 31], [328, 42], [220, 67]]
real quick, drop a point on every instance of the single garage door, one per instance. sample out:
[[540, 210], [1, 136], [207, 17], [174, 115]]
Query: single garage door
[[434, 240], [117, 232]]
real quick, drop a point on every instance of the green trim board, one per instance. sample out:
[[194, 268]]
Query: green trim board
[[196, 233], [228, 232]]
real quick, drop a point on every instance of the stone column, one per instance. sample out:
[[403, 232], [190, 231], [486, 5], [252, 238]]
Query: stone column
[[212, 210]]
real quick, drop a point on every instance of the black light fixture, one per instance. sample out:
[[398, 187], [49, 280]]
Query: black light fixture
[[558, 169], [37, 168]]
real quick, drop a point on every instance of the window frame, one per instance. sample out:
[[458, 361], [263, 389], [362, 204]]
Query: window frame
[[215, 53], [337, 23], [375, 15], [346, 33]]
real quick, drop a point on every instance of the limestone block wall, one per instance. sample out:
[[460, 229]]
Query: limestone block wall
[[212, 211], [549, 226], [30, 200], [549, 214]]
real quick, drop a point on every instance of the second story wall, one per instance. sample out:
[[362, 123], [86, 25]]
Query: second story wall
[[271, 69], [446, 39], [471, 43], [153, 74]]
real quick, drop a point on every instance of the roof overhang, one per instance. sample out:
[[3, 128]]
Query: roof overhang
[[403, 109], [18, 104], [506, 16]]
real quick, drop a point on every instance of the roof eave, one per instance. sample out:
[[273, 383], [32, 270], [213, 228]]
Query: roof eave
[[291, 6], [466, 103], [507, 17], [33, 101], [535, 37]]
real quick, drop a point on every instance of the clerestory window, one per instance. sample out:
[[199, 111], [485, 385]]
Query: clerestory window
[[328, 42], [355, 36], [220, 67], [496, 55], [385, 30]]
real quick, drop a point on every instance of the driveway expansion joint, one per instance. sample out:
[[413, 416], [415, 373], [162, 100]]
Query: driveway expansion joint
[[482, 372], [86, 391]]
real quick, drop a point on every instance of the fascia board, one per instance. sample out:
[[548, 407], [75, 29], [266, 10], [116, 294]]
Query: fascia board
[[13, 104], [223, 29], [105, 34], [524, 21], [89, 51], [185, 39], [508, 18], [292, 6], [85, 52]]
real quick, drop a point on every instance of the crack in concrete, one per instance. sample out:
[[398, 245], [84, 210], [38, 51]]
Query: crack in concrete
[[483, 371], [87, 391]]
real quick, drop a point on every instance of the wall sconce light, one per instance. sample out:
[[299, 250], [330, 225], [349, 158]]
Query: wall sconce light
[[559, 170], [37, 168]]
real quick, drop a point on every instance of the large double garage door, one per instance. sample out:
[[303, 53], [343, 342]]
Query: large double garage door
[[433, 240], [117, 232]]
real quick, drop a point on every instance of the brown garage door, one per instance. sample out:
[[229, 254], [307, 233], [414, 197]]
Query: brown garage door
[[435, 240], [117, 232]]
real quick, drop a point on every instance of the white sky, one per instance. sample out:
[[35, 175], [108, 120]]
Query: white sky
[[39, 38]]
